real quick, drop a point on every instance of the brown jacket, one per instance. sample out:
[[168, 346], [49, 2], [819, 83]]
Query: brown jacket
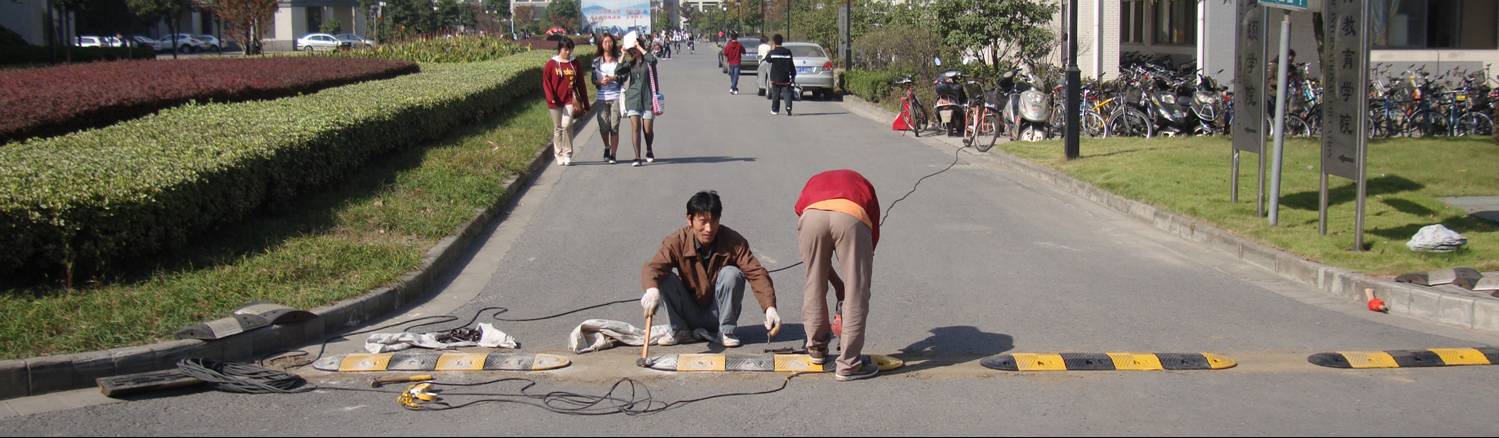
[[679, 250]]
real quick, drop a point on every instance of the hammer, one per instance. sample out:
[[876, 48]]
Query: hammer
[[382, 381], [645, 350]]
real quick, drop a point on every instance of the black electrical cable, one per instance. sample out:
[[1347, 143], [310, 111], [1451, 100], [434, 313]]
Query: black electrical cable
[[626, 396], [243, 378]]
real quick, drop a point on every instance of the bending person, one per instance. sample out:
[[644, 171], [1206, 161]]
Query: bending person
[[839, 215]]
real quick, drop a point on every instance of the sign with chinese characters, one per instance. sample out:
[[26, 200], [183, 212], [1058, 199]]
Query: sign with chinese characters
[[1345, 66], [1248, 130], [616, 16]]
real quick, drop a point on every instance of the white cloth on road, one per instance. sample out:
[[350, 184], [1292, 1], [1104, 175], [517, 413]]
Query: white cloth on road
[[387, 342], [602, 334]]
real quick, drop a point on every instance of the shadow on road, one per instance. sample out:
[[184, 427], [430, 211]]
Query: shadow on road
[[952, 345], [703, 160]]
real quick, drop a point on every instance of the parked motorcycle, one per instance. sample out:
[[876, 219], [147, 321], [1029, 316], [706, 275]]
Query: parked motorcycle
[[1027, 112], [951, 102]]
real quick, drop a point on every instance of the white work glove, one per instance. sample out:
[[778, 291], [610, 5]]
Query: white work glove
[[772, 319], [651, 299]]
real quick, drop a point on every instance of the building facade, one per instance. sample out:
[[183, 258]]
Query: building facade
[[297, 18], [1439, 34]]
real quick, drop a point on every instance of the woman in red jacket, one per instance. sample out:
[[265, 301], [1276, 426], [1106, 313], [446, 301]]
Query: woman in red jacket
[[567, 98]]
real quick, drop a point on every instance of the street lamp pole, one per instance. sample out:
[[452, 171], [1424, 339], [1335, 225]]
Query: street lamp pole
[[1074, 86]]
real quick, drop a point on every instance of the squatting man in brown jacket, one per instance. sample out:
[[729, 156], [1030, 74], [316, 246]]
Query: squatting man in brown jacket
[[701, 271]]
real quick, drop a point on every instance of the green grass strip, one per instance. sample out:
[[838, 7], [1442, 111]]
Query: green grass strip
[[330, 246], [1406, 177]]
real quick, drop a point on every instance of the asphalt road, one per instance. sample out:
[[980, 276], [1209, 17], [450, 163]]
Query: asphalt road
[[979, 261]]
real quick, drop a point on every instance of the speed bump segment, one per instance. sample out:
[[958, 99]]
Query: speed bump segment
[[779, 363], [1108, 362], [446, 362], [1435, 357]]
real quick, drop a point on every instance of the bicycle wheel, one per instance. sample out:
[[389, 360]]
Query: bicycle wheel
[[1296, 127], [1422, 124], [970, 126], [988, 131], [919, 117], [1093, 124], [1129, 123], [1475, 124]]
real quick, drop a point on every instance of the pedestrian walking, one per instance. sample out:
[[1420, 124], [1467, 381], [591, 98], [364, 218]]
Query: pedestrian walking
[[839, 214], [610, 97], [733, 54], [567, 98], [641, 93], [782, 75]]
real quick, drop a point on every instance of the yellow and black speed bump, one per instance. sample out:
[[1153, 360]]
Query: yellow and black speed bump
[[1436, 357], [1107, 362], [780, 363], [432, 361]]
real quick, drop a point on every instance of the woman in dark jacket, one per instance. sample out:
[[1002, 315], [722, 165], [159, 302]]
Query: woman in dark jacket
[[639, 69]]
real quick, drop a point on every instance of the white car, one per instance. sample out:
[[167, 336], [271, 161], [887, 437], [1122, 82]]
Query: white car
[[321, 41], [187, 42], [356, 40], [90, 41], [211, 42], [157, 45]]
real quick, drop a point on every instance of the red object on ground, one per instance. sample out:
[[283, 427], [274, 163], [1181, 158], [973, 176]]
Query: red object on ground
[[1378, 305], [900, 120]]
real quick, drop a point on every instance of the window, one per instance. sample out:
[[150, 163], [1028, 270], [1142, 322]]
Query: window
[[314, 19], [1132, 21], [1176, 22], [1435, 24]]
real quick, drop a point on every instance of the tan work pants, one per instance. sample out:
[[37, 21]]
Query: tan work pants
[[562, 133], [822, 234]]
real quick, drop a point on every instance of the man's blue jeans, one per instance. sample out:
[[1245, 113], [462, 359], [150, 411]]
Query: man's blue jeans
[[721, 314], [734, 70]]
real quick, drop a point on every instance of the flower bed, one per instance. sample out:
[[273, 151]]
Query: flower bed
[[57, 100]]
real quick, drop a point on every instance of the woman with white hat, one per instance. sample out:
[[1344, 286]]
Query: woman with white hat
[[641, 88]]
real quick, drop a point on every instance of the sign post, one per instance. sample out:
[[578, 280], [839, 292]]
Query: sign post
[[1248, 130], [1286, 7], [1345, 140]]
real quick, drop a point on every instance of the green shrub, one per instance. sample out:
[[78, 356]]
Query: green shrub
[[874, 86], [29, 55], [80, 203], [438, 49]]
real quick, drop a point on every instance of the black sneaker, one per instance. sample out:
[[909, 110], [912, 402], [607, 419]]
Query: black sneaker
[[866, 370], [650, 157], [819, 356]]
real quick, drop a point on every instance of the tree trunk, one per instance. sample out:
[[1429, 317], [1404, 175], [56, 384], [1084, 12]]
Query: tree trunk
[[172, 27]]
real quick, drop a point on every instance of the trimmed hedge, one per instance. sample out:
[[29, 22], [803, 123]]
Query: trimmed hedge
[[78, 204], [29, 55], [437, 49], [873, 86], [47, 101]]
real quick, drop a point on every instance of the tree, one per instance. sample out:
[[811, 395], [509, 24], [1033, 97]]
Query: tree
[[245, 19], [169, 10], [565, 13], [411, 17], [1008, 30]]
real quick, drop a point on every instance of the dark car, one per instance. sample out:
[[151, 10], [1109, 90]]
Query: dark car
[[751, 60]]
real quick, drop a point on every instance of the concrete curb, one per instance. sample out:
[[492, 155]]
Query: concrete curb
[[1463, 309], [41, 375]]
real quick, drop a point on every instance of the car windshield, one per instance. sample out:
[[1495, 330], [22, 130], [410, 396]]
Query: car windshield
[[749, 44], [807, 52]]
